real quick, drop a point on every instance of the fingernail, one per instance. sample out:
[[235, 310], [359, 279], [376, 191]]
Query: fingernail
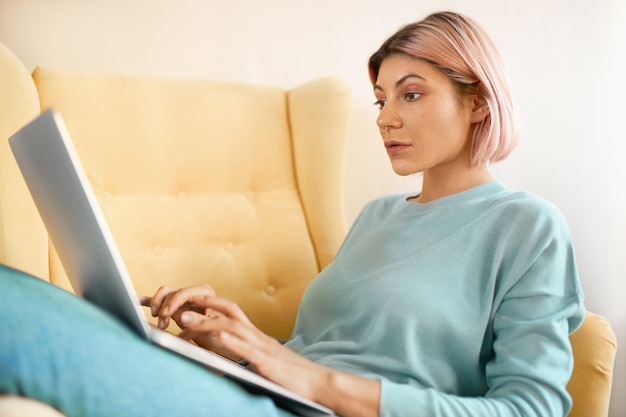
[[185, 318]]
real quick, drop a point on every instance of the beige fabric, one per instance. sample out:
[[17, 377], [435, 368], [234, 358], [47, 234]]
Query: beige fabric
[[198, 182], [594, 345], [318, 155], [12, 406], [23, 241]]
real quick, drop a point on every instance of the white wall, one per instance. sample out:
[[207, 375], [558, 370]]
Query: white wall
[[565, 57]]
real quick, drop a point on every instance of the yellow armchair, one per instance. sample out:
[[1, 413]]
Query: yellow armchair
[[234, 185]]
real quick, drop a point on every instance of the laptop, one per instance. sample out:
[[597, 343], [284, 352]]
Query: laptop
[[76, 225]]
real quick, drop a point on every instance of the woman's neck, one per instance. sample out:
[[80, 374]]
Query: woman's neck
[[436, 186]]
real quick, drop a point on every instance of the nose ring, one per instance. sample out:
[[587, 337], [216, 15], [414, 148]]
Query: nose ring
[[384, 129]]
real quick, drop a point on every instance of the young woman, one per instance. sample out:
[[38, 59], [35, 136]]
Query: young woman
[[455, 301]]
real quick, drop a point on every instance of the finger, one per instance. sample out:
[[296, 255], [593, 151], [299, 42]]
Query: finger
[[225, 307], [215, 328], [229, 337], [211, 327], [176, 302], [158, 298], [199, 322], [176, 316], [203, 329], [145, 300], [166, 311], [192, 295]]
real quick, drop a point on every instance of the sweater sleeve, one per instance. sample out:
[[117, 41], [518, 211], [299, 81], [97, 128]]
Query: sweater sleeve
[[537, 305]]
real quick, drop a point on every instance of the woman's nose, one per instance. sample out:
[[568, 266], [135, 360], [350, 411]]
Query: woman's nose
[[381, 124], [387, 118]]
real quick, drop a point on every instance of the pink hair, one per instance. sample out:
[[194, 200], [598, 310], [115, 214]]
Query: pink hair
[[464, 52]]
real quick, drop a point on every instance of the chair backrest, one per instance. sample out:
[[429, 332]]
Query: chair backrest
[[594, 345], [234, 185]]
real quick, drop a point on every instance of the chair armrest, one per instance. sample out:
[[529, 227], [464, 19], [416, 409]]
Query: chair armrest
[[15, 406]]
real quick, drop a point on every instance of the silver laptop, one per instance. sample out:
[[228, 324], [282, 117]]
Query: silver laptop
[[74, 220]]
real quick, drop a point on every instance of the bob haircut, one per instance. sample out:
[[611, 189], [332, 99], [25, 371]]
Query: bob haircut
[[460, 49]]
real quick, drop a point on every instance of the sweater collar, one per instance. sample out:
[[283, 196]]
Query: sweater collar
[[475, 194]]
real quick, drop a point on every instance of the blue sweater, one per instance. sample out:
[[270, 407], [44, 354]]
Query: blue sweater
[[461, 306]]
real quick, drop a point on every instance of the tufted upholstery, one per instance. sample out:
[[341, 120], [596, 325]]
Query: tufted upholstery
[[211, 182]]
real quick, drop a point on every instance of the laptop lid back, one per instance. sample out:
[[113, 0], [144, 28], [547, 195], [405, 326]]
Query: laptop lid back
[[72, 215]]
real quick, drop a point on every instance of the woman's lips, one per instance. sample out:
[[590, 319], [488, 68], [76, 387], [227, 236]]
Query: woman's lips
[[395, 148]]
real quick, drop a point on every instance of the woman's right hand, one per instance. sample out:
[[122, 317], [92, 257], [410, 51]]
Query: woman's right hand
[[221, 326], [170, 304]]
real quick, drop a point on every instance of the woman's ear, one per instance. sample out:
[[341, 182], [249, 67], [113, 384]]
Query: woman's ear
[[480, 108]]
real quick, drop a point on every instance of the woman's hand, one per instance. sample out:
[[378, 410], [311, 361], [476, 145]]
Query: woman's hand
[[221, 325], [231, 330], [169, 304]]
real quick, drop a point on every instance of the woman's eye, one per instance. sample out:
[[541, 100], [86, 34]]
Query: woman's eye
[[412, 96], [379, 103]]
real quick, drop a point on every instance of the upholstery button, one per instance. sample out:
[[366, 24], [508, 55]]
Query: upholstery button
[[158, 250], [182, 195], [107, 196], [229, 247], [250, 195], [270, 290]]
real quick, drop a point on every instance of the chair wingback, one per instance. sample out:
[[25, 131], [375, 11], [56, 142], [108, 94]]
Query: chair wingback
[[23, 240], [594, 345]]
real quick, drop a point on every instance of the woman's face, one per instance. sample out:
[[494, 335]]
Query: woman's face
[[425, 123]]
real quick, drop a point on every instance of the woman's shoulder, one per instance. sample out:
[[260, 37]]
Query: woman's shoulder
[[529, 211], [525, 202]]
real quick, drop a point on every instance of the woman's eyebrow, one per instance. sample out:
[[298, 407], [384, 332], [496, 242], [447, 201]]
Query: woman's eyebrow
[[401, 80]]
